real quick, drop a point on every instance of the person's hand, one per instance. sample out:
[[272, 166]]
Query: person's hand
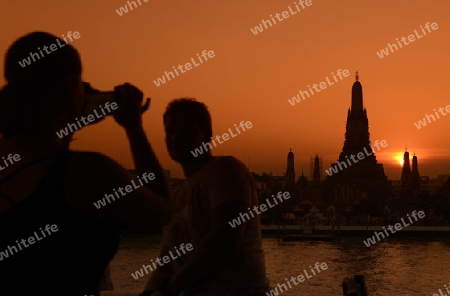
[[129, 100]]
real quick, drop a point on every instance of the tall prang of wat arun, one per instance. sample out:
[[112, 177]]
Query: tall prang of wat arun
[[361, 186]]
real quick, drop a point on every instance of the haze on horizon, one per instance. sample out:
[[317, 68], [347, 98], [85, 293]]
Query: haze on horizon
[[252, 76]]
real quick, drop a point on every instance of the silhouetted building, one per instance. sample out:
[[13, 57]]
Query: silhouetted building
[[302, 185], [359, 184], [415, 177], [444, 191], [443, 178], [425, 185], [406, 170], [410, 184], [406, 191], [290, 172], [309, 194], [316, 170], [440, 212]]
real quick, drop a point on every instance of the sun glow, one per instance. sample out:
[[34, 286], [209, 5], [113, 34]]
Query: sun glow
[[398, 157]]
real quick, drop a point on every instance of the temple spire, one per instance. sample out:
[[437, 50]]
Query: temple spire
[[415, 177], [406, 171], [415, 166], [290, 172], [357, 96]]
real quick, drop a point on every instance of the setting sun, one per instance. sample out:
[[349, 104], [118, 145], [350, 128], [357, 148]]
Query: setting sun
[[398, 157]]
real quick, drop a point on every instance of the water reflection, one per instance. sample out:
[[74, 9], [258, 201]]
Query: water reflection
[[414, 266]]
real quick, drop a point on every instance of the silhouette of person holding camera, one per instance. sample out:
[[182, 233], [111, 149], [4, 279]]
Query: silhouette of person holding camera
[[52, 185]]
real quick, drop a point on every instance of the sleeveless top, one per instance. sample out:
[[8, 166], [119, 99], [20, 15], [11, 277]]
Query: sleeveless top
[[48, 249]]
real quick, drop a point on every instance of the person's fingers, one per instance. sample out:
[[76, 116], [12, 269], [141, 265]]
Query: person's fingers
[[128, 90], [130, 96], [146, 105], [119, 90]]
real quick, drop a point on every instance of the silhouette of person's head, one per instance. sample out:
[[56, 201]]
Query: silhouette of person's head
[[187, 123], [45, 95]]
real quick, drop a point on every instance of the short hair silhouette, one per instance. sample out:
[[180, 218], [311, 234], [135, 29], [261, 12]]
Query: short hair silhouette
[[32, 86], [191, 106]]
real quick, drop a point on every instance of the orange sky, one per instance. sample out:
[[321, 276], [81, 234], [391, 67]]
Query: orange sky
[[252, 76]]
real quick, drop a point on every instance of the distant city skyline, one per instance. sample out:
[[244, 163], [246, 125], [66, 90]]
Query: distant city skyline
[[393, 172]]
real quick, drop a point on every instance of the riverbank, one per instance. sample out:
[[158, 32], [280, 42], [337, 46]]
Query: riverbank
[[272, 230]]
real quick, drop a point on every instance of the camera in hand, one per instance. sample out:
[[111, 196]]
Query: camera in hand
[[96, 99]]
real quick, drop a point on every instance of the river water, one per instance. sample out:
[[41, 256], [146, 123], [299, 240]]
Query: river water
[[396, 266]]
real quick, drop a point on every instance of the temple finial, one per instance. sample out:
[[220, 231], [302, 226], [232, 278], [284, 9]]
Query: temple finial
[[357, 76]]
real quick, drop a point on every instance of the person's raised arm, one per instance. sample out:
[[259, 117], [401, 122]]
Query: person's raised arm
[[128, 115]]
